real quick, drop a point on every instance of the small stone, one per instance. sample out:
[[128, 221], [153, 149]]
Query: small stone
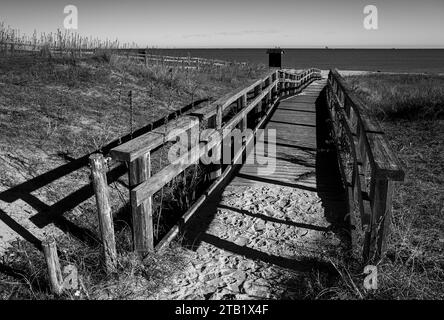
[[246, 265], [259, 226], [269, 212], [241, 241], [201, 251], [256, 289]]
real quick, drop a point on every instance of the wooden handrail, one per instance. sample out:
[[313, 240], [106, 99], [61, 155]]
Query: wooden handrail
[[382, 159], [143, 144], [372, 161]]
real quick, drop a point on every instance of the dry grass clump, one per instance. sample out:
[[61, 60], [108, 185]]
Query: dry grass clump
[[23, 272], [402, 96]]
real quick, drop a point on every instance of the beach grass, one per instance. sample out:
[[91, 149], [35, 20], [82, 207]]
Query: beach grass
[[401, 96]]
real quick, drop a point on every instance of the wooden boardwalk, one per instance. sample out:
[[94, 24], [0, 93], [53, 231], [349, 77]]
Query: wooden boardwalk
[[304, 159], [295, 123], [289, 217]]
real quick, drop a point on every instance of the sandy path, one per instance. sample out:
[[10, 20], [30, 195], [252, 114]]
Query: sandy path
[[262, 243]]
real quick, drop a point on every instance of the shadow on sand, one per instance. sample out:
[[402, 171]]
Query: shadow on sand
[[329, 188]]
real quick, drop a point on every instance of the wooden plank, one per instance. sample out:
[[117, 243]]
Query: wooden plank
[[143, 144], [382, 159]]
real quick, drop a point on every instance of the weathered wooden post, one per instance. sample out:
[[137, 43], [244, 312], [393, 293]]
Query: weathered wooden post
[[52, 261], [258, 108], [244, 125], [275, 92], [215, 122], [100, 185], [381, 191], [286, 84], [239, 107], [142, 215], [268, 96]]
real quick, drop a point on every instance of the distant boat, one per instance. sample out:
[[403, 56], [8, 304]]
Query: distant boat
[[326, 47]]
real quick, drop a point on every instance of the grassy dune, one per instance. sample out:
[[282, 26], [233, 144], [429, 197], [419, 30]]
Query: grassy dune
[[402, 96], [53, 110]]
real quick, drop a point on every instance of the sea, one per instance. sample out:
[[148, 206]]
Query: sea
[[383, 60]]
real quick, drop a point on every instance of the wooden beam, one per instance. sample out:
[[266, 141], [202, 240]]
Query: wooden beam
[[143, 144]]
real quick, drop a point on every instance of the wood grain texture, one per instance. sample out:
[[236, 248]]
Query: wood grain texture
[[100, 185], [143, 144], [142, 214], [49, 247]]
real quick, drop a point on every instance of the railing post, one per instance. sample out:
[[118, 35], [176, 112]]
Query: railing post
[[142, 215], [382, 191], [215, 122], [362, 151], [239, 107], [52, 261], [258, 108], [244, 119], [100, 185]]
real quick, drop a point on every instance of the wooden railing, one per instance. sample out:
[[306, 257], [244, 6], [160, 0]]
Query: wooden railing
[[245, 108], [368, 166], [177, 61]]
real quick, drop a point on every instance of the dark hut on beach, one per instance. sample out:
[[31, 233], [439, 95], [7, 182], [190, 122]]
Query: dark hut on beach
[[275, 57]]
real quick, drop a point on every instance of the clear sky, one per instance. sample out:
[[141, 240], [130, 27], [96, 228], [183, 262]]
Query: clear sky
[[239, 23]]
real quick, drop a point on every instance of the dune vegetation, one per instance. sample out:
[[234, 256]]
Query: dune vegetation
[[56, 109]]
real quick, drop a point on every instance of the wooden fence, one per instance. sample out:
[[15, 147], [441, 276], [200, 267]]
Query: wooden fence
[[140, 55], [245, 108], [182, 62], [369, 168]]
